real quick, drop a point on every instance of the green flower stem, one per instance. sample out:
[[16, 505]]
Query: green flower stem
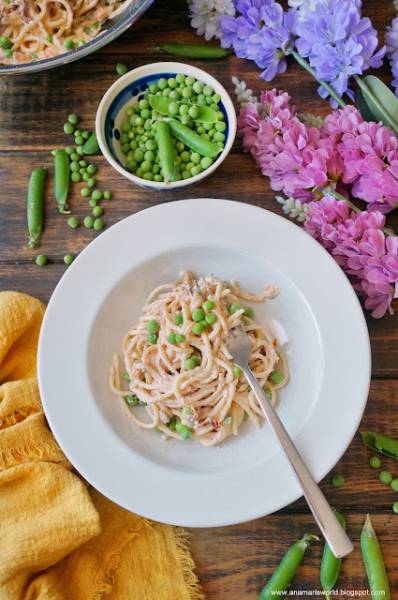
[[366, 89], [338, 196], [303, 63]]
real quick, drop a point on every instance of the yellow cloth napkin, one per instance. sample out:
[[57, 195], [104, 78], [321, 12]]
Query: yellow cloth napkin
[[59, 538]]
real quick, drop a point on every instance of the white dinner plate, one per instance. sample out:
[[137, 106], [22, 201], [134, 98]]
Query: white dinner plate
[[318, 319]]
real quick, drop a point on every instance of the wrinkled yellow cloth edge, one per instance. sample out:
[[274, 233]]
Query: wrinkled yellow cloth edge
[[60, 539]]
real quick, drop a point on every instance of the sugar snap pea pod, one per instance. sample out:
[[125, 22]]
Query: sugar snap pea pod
[[166, 150], [330, 565], [35, 205], [286, 570], [170, 108], [374, 563], [91, 145], [193, 50], [61, 180], [380, 443], [193, 140]]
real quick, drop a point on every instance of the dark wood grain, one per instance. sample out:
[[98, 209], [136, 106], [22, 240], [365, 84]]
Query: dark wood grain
[[233, 562]]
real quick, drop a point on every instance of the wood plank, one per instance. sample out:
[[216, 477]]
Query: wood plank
[[234, 563]]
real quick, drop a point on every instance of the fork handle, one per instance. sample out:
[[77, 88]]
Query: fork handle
[[336, 537]]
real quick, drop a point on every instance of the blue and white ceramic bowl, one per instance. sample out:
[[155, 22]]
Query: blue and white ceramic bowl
[[110, 115]]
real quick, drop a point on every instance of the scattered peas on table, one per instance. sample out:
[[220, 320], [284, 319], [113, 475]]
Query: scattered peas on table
[[172, 131], [338, 481]]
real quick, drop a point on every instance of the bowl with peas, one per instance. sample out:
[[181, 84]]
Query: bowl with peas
[[166, 125]]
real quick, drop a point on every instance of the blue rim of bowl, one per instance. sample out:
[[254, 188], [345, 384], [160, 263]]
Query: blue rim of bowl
[[102, 39], [132, 90]]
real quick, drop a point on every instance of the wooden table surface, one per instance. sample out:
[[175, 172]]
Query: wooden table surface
[[232, 562]]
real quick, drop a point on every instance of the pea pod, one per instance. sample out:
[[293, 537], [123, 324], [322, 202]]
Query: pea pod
[[193, 140], [193, 50], [91, 145], [374, 563], [166, 150], [61, 180], [380, 443], [330, 565], [162, 106], [286, 570], [35, 205]]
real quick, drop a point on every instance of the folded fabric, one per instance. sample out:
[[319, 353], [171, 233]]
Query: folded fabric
[[59, 538]]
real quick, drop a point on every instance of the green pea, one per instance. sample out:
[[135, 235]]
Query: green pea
[[68, 128], [187, 93], [85, 192], [91, 169], [98, 211], [133, 145], [375, 462], [139, 155], [85, 134], [180, 338], [41, 260], [139, 172], [121, 69], [91, 181], [233, 308], [395, 507], [198, 87], [74, 166], [220, 126], [208, 305], [216, 98], [175, 95], [162, 83], [82, 163], [146, 166], [195, 158], [201, 100], [180, 78], [152, 338], [145, 114], [74, 157], [219, 137], [166, 92], [276, 377], [79, 140], [190, 363], [73, 222], [80, 151], [69, 44], [186, 174], [75, 177], [92, 203], [88, 222], [149, 156], [248, 312], [190, 80], [68, 259], [196, 170], [194, 112], [107, 195], [153, 88], [211, 318], [198, 328], [394, 485], [338, 481], [184, 109], [206, 162], [178, 318], [98, 224], [125, 148], [237, 372], [185, 156], [73, 119], [385, 477], [198, 315], [171, 338], [153, 326], [69, 150], [211, 133], [183, 430], [132, 400]]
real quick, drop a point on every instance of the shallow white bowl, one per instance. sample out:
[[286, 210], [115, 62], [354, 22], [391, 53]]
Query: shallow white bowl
[[317, 316], [109, 117]]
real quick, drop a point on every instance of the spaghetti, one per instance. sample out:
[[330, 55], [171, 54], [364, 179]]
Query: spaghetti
[[38, 29], [176, 362]]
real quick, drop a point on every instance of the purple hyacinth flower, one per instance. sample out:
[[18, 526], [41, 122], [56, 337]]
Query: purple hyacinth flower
[[262, 32], [392, 50], [338, 42]]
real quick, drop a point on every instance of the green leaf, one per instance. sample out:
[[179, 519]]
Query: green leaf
[[364, 108], [381, 101]]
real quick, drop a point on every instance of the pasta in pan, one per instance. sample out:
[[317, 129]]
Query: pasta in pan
[[175, 360], [34, 30]]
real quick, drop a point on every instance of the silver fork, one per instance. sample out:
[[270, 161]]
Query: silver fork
[[239, 346]]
